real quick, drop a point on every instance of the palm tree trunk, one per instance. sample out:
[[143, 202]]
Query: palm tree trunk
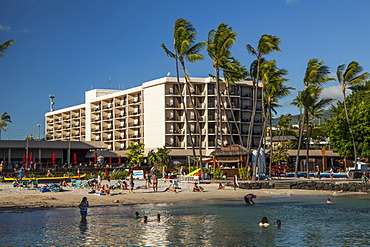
[[299, 145], [227, 120], [307, 145], [183, 101], [271, 146], [196, 115], [262, 132], [233, 116], [350, 127], [254, 110], [218, 118]]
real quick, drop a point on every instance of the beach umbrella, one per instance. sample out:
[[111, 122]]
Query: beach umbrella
[[110, 160], [31, 158], [119, 160], [24, 159], [95, 157], [74, 158]]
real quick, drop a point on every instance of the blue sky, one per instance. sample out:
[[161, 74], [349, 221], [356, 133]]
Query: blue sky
[[68, 47]]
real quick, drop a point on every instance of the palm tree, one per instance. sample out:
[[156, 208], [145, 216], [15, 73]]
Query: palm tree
[[273, 89], [218, 48], [185, 48], [4, 46], [5, 119], [161, 157], [315, 109], [281, 154], [266, 45], [351, 76], [316, 75], [284, 123], [135, 153]]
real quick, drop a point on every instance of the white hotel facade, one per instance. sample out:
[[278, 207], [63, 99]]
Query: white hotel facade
[[153, 114]]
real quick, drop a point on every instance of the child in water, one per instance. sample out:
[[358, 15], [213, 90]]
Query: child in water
[[136, 216], [145, 219]]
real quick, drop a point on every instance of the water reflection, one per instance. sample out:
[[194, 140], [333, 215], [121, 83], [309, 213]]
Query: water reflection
[[83, 226], [306, 221]]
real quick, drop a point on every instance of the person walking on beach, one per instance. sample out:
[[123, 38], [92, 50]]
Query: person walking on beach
[[331, 173], [235, 181], [99, 180], [155, 183], [84, 204], [131, 183], [249, 199]]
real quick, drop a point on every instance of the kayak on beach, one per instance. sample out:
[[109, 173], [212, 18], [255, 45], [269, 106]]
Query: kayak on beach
[[46, 179]]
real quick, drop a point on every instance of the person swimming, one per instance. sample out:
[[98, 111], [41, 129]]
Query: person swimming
[[145, 219], [328, 200], [158, 217], [278, 223], [264, 222], [136, 216]]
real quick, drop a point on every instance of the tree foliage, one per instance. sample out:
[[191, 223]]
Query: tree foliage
[[135, 153], [338, 130]]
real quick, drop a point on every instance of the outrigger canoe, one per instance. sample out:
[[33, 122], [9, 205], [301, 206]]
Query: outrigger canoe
[[46, 179]]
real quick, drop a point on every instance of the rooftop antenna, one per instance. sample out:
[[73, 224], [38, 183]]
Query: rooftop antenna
[[109, 83], [51, 97]]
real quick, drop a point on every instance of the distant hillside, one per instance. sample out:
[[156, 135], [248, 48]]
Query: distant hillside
[[295, 119]]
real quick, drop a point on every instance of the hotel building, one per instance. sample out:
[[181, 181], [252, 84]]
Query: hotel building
[[154, 114]]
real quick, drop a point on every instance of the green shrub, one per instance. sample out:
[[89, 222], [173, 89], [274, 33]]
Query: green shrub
[[243, 172], [217, 173], [119, 175]]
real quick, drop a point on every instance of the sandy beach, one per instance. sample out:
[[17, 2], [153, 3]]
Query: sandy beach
[[25, 199]]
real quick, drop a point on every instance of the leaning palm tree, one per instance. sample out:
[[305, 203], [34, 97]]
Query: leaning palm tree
[[266, 45], [273, 89], [218, 48], [351, 76], [5, 119], [185, 48]]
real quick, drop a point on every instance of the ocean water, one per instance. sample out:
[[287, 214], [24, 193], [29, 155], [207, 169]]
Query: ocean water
[[306, 221]]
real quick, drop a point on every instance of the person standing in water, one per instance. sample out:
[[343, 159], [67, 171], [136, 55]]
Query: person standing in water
[[83, 208]]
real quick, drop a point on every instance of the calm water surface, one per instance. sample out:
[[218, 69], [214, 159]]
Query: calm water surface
[[307, 221]]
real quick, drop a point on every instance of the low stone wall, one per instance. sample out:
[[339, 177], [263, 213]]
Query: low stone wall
[[307, 185]]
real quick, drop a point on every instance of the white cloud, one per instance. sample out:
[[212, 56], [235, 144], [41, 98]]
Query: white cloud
[[24, 31], [334, 92], [5, 28]]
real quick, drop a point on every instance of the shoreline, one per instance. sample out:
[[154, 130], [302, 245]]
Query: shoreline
[[19, 200]]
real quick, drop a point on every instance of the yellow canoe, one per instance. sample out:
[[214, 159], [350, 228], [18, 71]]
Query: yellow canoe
[[46, 179]]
